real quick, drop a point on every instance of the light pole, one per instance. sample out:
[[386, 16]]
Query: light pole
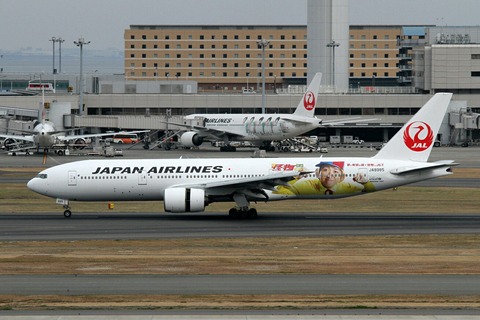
[[53, 51], [333, 45], [275, 83], [60, 41], [80, 43], [263, 43]]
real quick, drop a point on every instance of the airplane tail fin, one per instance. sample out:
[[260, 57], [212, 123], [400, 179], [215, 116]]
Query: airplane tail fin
[[416, 138], [306, 107]]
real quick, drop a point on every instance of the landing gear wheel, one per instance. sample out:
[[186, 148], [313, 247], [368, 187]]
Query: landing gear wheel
[[228, 148], [67, 213], [233, 212], [242, 213], [252, 213]]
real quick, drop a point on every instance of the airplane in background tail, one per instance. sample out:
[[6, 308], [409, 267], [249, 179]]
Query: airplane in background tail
[[189, 185], [258, 129]]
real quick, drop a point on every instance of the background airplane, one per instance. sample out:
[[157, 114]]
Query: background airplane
[[189, 185], [44, 136], [258, 129]]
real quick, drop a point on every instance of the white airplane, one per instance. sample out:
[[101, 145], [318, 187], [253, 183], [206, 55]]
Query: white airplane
[[44, 136], [258, 129], [189, 185]]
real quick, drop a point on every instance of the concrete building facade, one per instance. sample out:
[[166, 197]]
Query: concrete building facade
[[327, 34], [449, 62], [227, 58]]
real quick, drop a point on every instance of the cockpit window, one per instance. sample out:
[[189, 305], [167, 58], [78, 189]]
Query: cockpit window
[[42, 176]]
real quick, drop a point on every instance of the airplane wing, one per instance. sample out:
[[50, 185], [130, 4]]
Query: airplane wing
[[303, 120], [94, 135], [204, 131], [347, 120], [252, 187], [22, 138], [424, 167], [325, 123]]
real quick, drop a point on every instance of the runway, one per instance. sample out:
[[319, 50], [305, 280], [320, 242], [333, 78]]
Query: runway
[[240, 284], [466, 157], [88, 226], [49, 226]]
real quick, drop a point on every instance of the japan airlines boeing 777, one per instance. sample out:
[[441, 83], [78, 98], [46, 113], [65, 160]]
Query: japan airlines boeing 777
[[258, 129], [189, 185]]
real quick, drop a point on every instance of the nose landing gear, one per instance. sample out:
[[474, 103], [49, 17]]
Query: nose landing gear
[[67, 213]]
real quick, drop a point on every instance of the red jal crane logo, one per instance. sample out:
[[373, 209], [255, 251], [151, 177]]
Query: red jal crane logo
[[309, 100], [418, 136]]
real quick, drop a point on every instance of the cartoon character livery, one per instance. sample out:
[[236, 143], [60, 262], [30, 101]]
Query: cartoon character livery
[[189, 185], [329, 179]]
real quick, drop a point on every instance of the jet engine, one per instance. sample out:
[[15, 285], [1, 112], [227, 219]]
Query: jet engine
[[80, 144], [191, 139], [9, 143], [178, 200]]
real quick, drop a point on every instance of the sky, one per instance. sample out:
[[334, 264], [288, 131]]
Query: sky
[[30, 24]]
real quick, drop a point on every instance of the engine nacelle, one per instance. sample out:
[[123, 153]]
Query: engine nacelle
[[191, 139], [9, 143], [178, 200], [80, 144]]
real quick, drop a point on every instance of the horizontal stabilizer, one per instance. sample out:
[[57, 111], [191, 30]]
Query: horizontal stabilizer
[[424, 167]]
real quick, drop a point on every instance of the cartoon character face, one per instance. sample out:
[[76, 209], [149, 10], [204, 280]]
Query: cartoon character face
[[330, 175]]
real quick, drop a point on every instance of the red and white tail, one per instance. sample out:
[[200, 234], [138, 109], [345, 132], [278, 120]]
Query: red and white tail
[[306, 107], [415, 140]]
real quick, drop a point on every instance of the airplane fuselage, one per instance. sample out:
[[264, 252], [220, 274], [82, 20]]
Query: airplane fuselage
[[43, 135], [188, 185], [108, 180], [255, 127]]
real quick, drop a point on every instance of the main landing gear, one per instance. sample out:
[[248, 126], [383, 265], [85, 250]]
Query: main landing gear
[[243, 213], [228, 148], [242, 210]]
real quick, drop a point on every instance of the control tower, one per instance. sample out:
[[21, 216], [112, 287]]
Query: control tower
[[327, 41]]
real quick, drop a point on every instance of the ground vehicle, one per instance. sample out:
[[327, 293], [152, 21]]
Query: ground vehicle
[[248, 91], [358, 141], [126, 138]]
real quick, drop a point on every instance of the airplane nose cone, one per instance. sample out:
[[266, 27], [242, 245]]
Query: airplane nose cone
[[35, 185], [32, 185]]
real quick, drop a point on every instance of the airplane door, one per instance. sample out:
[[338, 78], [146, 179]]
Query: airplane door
[[72, 178], [142, 178]]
